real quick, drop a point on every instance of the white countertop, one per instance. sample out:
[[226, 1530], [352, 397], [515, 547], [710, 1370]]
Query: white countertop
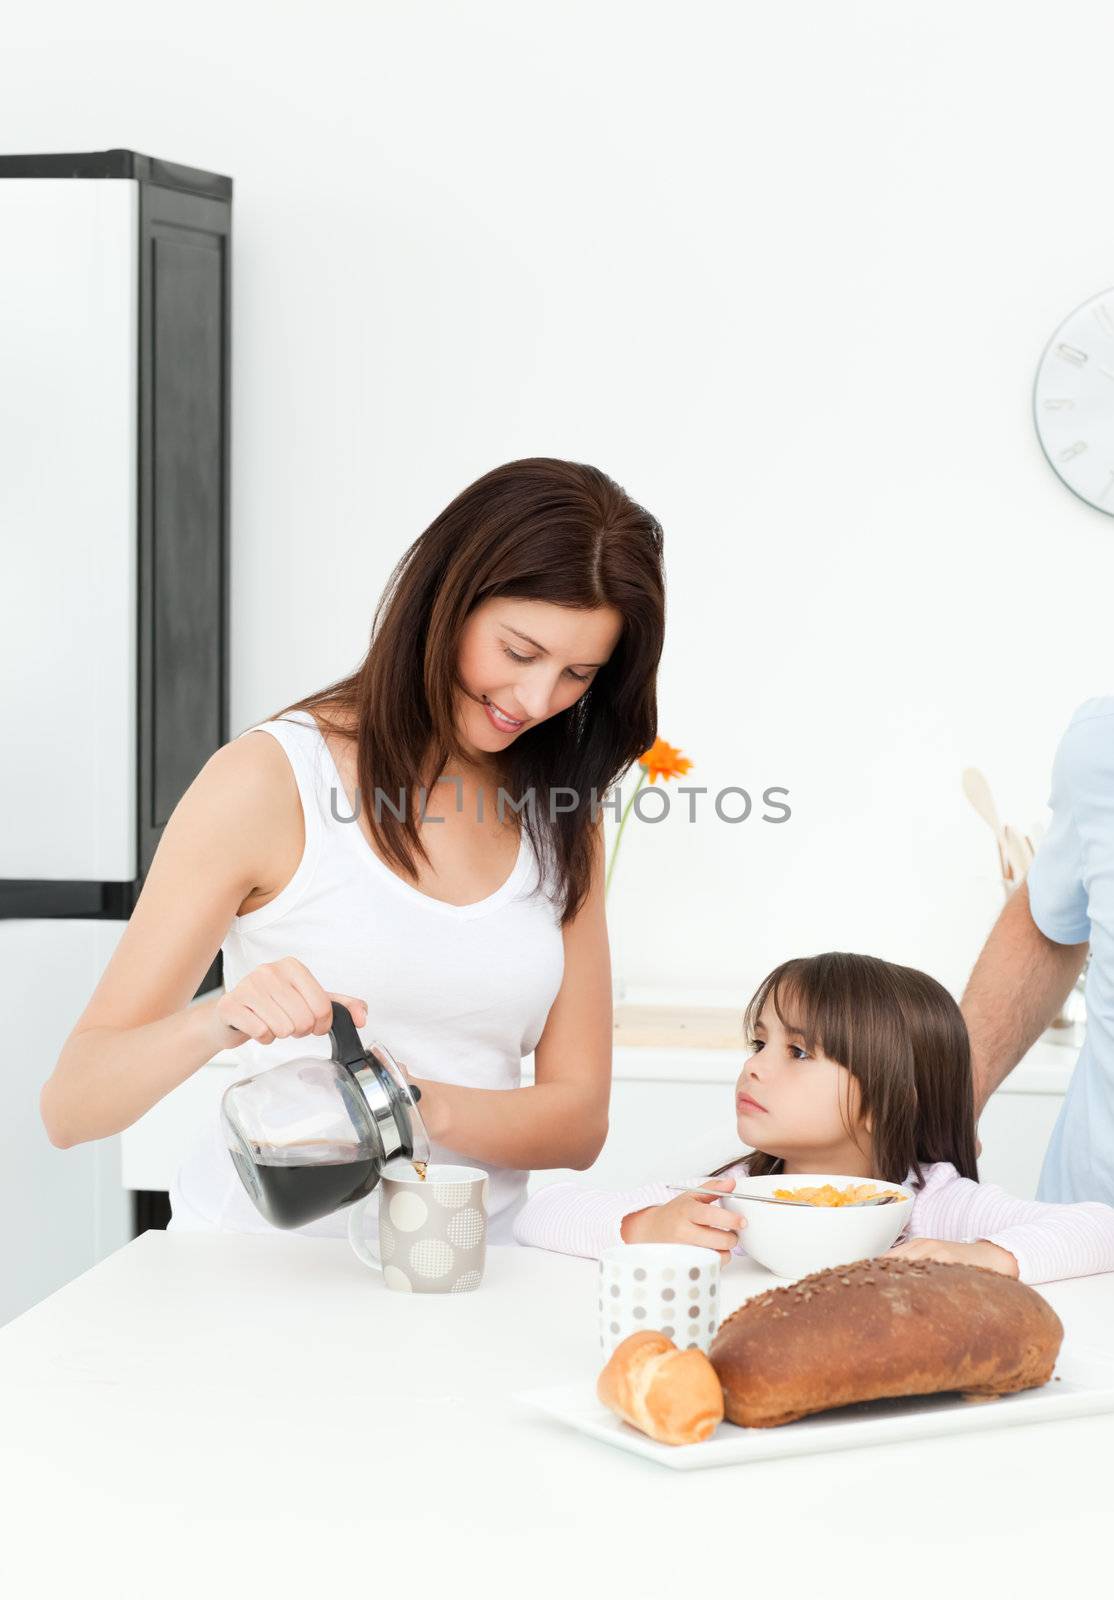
[[210, 1415], [1044, 1069]]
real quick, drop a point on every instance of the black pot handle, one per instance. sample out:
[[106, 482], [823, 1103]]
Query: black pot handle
[[345, 1040]]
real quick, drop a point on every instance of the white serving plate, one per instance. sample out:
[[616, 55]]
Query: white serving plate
[[1082, 1383]]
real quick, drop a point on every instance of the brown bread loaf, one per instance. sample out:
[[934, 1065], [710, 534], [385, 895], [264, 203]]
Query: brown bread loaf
[[878, 1329]]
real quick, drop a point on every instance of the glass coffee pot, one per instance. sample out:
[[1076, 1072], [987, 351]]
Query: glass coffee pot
[[313, 1135]]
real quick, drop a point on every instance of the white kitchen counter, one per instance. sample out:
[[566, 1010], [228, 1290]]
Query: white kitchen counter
[[224, 1415], [667, 1102]]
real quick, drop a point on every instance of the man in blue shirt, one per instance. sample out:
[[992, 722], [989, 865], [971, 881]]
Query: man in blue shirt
[[1036, 951]]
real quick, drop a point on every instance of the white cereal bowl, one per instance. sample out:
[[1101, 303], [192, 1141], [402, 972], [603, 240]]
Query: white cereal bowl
[[792, 1241]]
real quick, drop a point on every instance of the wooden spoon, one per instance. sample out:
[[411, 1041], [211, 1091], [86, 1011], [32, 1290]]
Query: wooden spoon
[[977, 790], [1016, 852]]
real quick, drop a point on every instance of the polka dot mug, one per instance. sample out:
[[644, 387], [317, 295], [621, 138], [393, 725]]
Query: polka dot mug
[[432, 1231], [670, 1288]]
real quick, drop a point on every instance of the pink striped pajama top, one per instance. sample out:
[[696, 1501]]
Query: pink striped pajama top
[[1048, 1241]]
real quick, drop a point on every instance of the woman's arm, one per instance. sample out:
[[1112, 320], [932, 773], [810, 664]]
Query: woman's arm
[[560, 1121], [235, 836]]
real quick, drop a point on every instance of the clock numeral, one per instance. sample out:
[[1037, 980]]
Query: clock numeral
[[1104, 319], [1075, 449], [1059, 405], [1068, 352], [1107, 485]]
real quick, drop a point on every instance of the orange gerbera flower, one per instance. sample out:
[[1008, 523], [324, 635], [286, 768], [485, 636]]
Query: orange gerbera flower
[[661, 760]]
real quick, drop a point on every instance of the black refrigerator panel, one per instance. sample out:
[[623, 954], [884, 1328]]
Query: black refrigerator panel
[[114, 495]]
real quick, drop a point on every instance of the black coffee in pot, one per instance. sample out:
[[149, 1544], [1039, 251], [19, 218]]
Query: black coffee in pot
[[295, 1184]]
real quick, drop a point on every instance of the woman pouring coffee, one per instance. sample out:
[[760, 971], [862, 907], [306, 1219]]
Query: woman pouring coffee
[[420, 841]]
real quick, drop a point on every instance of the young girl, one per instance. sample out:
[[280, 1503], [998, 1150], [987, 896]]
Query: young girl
[[858, 1067]]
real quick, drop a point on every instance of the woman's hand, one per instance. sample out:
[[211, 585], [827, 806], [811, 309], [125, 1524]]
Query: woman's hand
[[979, 1254], [280, 1000], [432, 1106], [689, 1219]]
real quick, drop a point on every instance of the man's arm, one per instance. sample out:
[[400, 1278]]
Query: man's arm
[[1018, 985]]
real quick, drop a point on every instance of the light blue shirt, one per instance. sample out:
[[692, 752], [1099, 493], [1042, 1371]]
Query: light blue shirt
[[1071, 894]]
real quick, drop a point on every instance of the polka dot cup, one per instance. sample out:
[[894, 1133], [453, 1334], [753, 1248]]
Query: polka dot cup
[[670, 1288], [432, 1232]]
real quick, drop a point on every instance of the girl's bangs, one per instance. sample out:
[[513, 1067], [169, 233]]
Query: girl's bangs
[[796, 1006]]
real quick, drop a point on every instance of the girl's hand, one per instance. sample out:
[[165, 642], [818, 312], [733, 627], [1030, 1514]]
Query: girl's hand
[[280, 1000], [980, 1254], [689, 1219]]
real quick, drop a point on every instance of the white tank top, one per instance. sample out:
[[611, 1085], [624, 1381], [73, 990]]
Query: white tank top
[[459, 993]]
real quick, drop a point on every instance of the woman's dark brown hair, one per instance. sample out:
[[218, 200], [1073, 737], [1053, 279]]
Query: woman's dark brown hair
[[902, 1038], [538, 529]]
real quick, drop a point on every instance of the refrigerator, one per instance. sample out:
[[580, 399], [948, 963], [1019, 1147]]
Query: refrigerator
[[114, 583]]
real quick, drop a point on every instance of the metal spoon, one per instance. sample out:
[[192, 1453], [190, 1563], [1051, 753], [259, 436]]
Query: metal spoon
[[769, 1199]]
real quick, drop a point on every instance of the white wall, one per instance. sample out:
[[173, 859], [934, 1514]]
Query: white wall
[[785, 272]]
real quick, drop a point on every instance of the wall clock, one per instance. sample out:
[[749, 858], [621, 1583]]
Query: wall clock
[[1073, 402]]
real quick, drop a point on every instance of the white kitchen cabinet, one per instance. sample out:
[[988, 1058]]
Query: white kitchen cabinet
[[671, 1116], [1015, 1129], [61, 1211], [668, 1110]]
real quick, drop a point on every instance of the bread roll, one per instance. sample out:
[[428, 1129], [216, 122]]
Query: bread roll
[[882, 1328], [672, 1395]]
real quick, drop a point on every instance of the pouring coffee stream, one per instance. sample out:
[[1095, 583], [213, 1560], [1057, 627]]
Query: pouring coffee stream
[[313, 1135]]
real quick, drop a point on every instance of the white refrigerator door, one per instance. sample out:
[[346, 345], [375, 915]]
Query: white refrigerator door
[[61, 1211], [68, 493]]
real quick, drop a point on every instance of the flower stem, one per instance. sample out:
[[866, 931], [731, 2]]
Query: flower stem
[[619, 835]]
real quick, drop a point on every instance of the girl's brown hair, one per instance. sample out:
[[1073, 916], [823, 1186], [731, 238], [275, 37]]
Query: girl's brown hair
[[902, 1037], [537, 529]]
